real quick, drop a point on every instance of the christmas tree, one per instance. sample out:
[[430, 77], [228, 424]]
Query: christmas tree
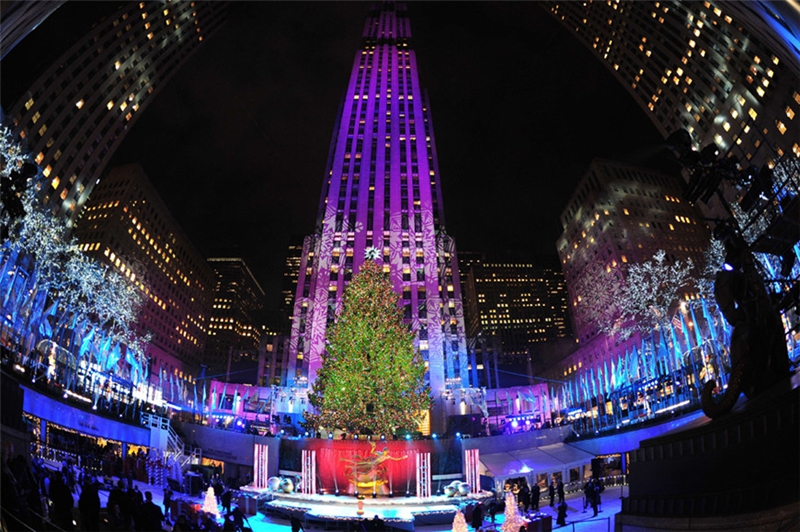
[[513, 520], [372, 378], [459, 523], [210, 503]]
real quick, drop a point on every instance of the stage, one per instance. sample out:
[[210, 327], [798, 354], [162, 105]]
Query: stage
[[398, 513]]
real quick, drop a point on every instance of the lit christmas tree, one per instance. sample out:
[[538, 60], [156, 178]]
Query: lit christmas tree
[[513, 519], [210, 503], [459, 523], [372, 377]]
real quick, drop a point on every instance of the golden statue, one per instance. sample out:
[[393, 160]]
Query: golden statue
[[368, 472]]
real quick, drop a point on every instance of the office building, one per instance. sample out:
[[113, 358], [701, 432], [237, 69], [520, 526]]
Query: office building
[[619, 215], [291, 271], [382, 190], [726, 73], [234, 329], [126, 225], [514, 310], [78, 111]]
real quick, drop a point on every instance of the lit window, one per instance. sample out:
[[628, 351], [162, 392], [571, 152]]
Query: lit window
[[781, 126], [790, 113]]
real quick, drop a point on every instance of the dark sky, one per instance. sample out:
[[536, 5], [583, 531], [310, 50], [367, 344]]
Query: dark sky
[[237, 142]]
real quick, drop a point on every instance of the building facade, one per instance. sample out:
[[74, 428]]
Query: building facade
[[234, 330], [126, 225], [719, 70], [619, 215], [514, 310], [382, 190], [80, 108], [721, 81]]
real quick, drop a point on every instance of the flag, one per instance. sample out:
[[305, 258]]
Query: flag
[[712, 331], [614, 380], [676, 349], [698, 338], [113, 355], [222, 396], [86, 345], [45, 329]]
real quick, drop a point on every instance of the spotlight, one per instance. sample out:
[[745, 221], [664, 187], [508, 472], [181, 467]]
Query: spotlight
[[337, 493], [408, 494], [330, 435], [374, 495], [383, 437], [434, 436], [458, 435], [306, 434], [408, 436]]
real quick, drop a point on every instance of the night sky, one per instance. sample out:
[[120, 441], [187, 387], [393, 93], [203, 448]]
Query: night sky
[[237, 142]]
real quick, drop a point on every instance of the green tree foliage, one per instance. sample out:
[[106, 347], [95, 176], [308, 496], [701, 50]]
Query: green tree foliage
[[372, 378]]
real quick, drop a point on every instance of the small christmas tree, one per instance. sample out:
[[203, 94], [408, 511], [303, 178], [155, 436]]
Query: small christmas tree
[[459, 523], [513, 519], [372, 377], [210, 503]]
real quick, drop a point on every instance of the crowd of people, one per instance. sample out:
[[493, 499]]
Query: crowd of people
[[35, 493]]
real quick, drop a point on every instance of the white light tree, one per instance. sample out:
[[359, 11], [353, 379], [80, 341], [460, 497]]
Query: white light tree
[[47, 285], [513, 520], [651, 294]]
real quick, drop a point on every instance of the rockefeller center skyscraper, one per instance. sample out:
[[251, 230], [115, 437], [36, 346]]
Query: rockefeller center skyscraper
[[382, 189]]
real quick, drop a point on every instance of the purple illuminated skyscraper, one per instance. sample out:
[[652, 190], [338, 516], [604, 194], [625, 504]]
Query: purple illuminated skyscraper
[[382, 190]]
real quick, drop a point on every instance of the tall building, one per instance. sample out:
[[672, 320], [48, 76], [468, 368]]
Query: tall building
[[125, 224], [520, 302], [20, 18], [291, 271], [80, 108], [382, 190], [726, 73], [621, 214], [719, 70], [234, 329]]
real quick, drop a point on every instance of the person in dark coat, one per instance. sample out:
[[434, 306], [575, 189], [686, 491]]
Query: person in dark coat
[[477, 516], [376, 523], [167, 502], [525, 498], [297, 526], [152, 516], [562, 514], [62, 500], [560, 490], [594, 497], [226, 497], [536, 494], [89, 506], [552, 492]]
